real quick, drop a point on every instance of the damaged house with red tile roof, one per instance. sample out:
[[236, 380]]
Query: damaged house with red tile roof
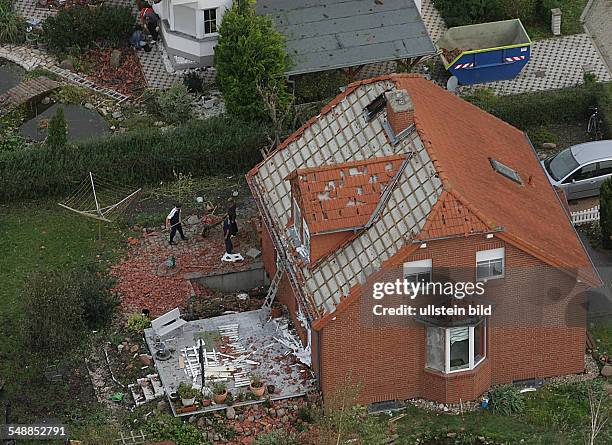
[[398, 179]]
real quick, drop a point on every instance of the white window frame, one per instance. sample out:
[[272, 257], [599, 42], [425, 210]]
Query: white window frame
[[414, 268], [297, 219], [210, 21], [488, 256], [473, 363], [306, 239]]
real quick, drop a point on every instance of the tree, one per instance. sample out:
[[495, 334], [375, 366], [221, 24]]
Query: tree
[[58, 130], [605, 213], [250, 52]]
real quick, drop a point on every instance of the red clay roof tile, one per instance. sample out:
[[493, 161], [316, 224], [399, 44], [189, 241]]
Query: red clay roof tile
[[344, 196]]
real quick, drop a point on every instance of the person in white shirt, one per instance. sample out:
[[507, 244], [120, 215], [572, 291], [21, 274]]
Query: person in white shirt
[[173, 222]]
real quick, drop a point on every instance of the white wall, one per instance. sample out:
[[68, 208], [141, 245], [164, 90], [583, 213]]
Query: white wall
[[185, 18]]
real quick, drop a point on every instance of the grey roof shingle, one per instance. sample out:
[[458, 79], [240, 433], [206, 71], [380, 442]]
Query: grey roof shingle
[[329, 34]]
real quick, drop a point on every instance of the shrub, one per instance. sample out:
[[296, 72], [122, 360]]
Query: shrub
[[605, 213], [250, 54], [11, 141], [187, 391], [506, 400], [81, 27], [195, 83], [319, 86], [12, 27], [213, 146], [604, 102], [166, 427], [542, 108], [58, 130], [54, 318], [137, 323], [468, 12], [99, 302], [175, 104], [59, 305], [277, 438]]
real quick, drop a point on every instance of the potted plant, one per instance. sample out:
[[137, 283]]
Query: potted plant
[[219, 392], [187, 394], [257, 385]]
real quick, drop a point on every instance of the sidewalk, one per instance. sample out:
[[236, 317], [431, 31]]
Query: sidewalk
[[598, 22]]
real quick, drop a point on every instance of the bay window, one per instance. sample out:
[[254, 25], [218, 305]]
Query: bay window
[[456, 349]]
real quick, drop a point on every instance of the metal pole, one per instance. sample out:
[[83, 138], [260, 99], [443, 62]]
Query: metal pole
[[93, 187], [201, 353]]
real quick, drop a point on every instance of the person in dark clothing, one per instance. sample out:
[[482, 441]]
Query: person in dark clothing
[[231, 211], [173, 222], [227, 234], [151, 21]]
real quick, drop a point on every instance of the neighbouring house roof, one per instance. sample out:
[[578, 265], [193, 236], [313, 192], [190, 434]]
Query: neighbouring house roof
[[344, 196], [447, 186], [329, 34]]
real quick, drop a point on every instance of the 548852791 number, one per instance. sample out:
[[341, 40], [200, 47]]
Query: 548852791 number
[[33, 431]]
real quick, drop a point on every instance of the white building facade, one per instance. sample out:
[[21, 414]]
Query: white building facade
[[190, 29]]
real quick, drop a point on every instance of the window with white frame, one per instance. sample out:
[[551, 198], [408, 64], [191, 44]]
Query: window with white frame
[[210, 21], [490, 264], [456, 349], [418, 271], [297, 219], [306, 240]]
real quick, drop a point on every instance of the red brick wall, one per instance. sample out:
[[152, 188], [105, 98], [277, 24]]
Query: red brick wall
[[287, 298], [321, 245], [268, 252], [523, 342]]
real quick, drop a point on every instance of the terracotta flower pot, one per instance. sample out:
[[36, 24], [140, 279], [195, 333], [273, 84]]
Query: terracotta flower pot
[[220, 398], [206, 402], [259, 391]]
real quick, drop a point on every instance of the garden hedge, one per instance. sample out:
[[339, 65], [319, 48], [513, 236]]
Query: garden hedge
[[531, 110], [217, 145]]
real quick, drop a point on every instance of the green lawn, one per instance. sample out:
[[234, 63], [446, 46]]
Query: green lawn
[[41, 236]]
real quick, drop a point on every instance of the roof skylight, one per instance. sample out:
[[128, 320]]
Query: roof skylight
[[506, 171]]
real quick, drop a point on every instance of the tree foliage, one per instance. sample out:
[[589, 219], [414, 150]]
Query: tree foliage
[[250, 52], [605, 213], [58, 130]]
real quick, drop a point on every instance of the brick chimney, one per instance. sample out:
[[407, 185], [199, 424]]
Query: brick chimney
[[400, 110]]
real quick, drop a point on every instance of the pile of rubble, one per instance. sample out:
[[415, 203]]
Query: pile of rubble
[[254, 420], [144, 279]]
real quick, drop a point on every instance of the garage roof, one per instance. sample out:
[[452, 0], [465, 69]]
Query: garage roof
[[329, 34]]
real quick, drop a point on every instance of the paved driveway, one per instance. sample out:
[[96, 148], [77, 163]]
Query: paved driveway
[[599, 24]]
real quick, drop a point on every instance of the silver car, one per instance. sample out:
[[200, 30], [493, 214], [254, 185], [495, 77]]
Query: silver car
[[580, 170]]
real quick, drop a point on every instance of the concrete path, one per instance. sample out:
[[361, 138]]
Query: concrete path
[[598, 22]]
